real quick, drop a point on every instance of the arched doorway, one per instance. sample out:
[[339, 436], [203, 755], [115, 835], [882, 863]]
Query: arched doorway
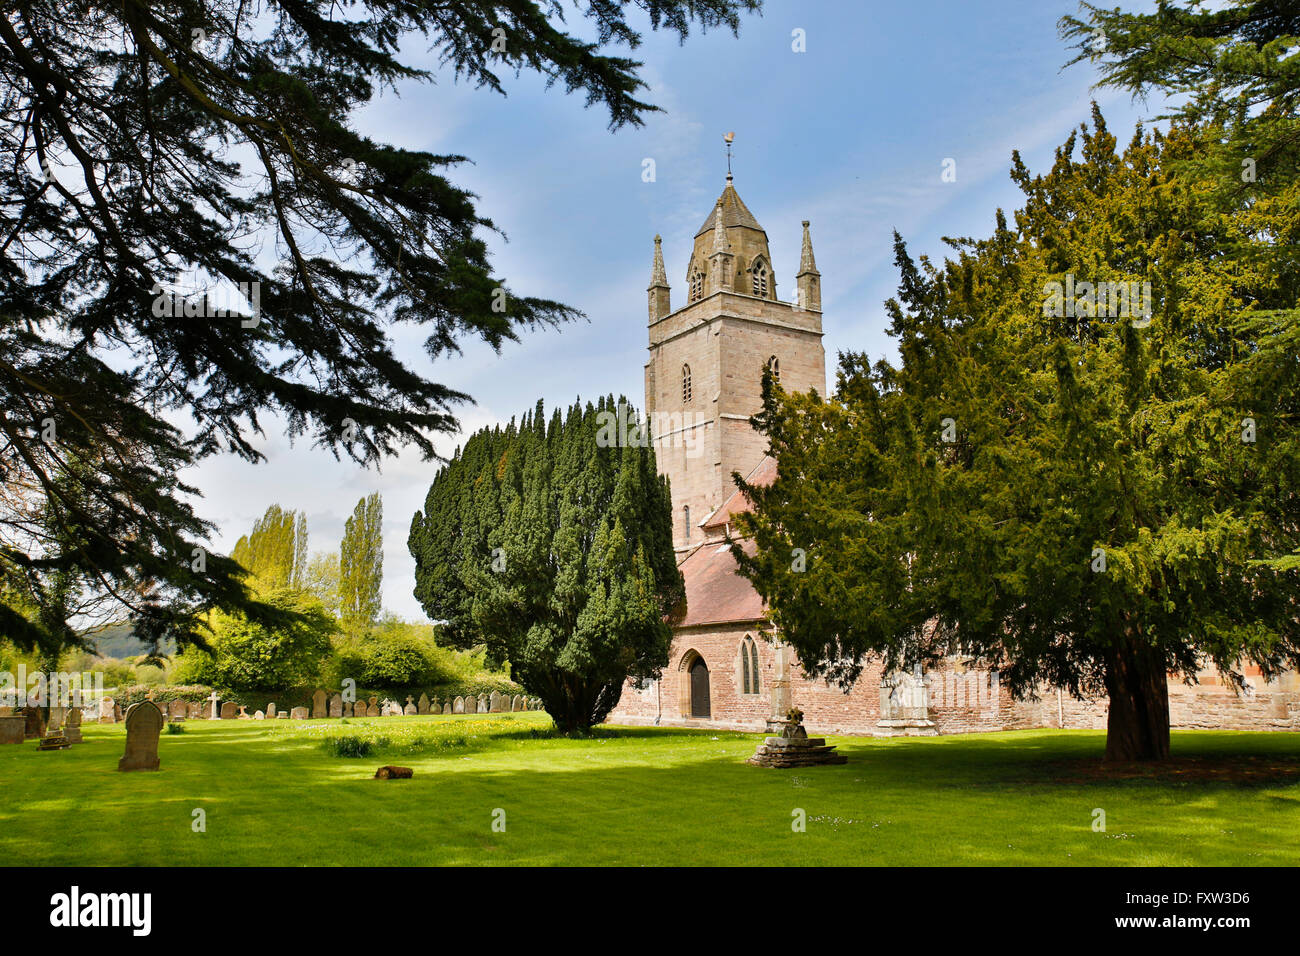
[[700, 689]]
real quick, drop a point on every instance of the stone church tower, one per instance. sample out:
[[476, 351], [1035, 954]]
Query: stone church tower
[[703, 378]]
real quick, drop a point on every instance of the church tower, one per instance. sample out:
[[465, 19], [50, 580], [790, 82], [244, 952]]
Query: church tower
[[703, 379]]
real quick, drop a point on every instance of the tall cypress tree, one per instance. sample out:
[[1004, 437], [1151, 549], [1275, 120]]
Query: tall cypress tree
[[553, 547]]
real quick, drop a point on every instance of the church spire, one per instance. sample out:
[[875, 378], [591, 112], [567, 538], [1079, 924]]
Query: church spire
[[658, 288], [808, 281]]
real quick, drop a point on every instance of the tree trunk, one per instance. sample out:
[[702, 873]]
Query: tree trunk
[[1137, 727]]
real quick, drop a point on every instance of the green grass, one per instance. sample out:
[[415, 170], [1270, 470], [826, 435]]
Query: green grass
[[275, 794]]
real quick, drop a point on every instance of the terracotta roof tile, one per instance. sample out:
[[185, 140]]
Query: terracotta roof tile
[[715, 593]]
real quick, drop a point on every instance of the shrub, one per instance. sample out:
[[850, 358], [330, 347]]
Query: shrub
[[175, 728]]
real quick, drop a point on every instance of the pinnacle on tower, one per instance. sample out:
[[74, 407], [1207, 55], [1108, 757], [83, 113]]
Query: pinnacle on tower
[[720, 260], [658, 288], [808, 281]]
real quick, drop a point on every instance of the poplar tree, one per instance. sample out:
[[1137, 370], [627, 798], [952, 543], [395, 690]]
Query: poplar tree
[[361, 564], [275, 551], [1089, 493], [550, 542]]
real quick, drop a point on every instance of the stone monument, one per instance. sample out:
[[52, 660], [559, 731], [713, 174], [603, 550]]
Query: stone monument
[[794, 748], [905, 706]]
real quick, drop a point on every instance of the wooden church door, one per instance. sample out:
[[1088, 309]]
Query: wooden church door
[[700, 689]]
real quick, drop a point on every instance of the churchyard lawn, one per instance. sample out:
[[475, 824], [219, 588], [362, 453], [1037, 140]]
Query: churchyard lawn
[[273, 794]]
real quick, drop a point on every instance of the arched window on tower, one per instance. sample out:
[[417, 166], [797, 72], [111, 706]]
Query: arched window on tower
[[686, 385], [749, 666], [697, 285], [774, 364], [760, 279]]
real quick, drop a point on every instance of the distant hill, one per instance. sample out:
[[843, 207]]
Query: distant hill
[[119, 641]]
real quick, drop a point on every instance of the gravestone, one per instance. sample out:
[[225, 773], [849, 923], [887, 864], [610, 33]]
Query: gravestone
[[482, 703], [392, 708], [106, 710], [56, 718], [213, 698], [336, 705], [319, 705], [446, 708], [143, 725], [434, 706], [72, 726], [259, 716], [459, 706], [194, 711], [271, 712], [243, 712], [229, 710], [517, 703], [53, 740], [422, 707], [282, 715], [347, 709], [35, 722], [298, 713], [372, 710], [117, 712], [177, 708], [494, 703], [13, 729], [410, 707]]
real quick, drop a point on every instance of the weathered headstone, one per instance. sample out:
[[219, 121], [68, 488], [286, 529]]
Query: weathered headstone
[[282, 715], [319, 705], [229, 710], [118, 716], [271, 712], [106, 710], [372, 710], [517, 703], [482, 703], [298, 713], [194, 711], [259, 715], [13, 729], [410, 707], [494, 703], [336, 705], [213, 698], [446, 708], [459, 706], [143, 725], [72, 726], [422, 706], [177, 708], [35, 726]]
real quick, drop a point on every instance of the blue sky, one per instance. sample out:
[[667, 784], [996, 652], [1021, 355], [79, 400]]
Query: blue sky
[[850, 134]]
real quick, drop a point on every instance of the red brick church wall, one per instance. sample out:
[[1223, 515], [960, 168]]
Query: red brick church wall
[[962, 700]]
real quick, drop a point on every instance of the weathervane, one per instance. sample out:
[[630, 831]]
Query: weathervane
[[727, 138]]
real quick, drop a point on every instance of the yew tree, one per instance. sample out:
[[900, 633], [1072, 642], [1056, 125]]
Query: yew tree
[[550, 543], [1067, 478]]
